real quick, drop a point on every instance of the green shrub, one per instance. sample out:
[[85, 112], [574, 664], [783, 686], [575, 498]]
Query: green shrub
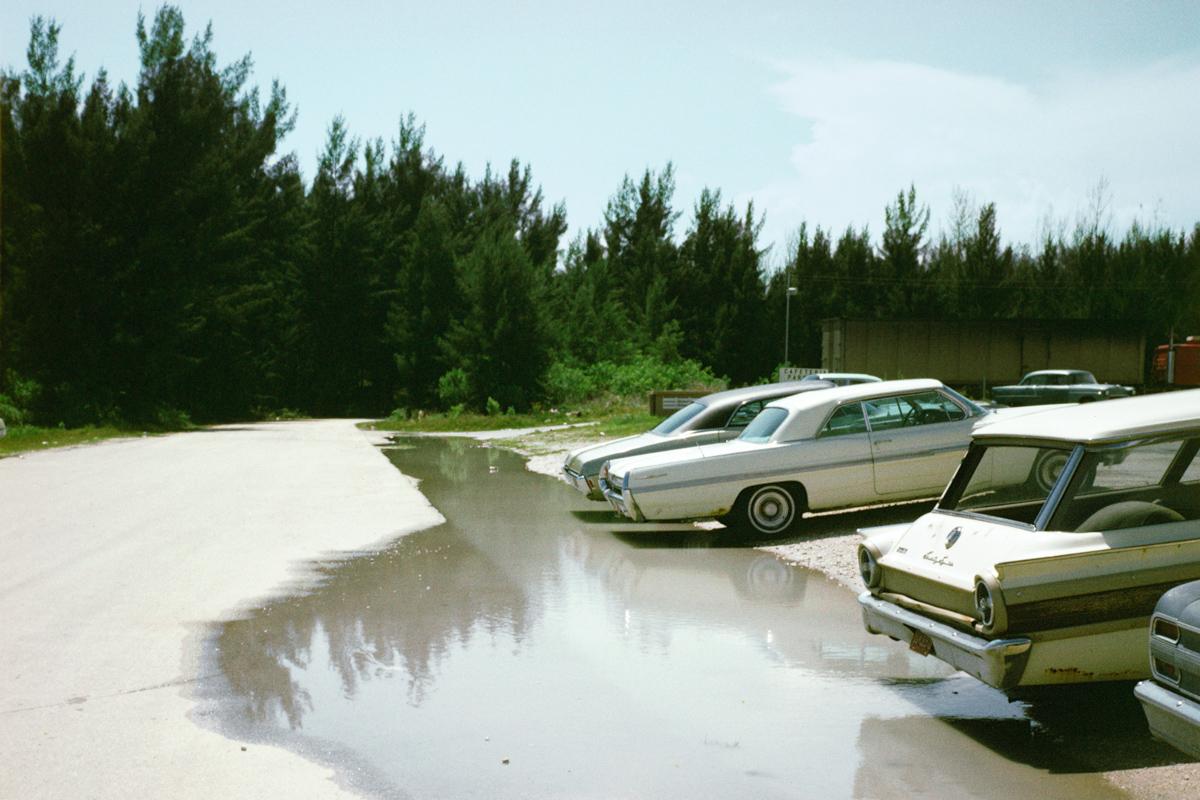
[[454, 387], [171, 419], [571, 383], [456, 410], [16, 404], [492, 408]]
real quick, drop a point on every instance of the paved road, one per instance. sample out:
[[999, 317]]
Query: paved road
[[112, 558]]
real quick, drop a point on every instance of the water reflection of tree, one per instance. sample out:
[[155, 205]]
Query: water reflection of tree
[[394, 614], [399, 612]]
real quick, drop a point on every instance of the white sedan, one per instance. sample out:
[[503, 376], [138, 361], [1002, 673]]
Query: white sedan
[[713, 418], [838, 448]]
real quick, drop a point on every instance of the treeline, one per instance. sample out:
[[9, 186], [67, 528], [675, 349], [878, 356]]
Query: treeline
[[161, 259], [1149, 278]]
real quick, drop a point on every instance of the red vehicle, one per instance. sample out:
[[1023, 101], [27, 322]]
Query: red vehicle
[[1178, 364]]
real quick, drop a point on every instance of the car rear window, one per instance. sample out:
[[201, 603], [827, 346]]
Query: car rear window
[[685, 414], [1006, 481], [765, 424]]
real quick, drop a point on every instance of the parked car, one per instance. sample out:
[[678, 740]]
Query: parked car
[[713, 418], [1058, 386], [1171, 697], [841, 378], [1044, 557], [849, 446]]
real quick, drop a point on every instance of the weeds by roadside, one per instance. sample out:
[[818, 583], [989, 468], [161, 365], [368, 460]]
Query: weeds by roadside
[[26, 438], [607, 420]]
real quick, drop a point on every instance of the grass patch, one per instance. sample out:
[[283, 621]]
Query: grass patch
[[26, 438], [607, 419]]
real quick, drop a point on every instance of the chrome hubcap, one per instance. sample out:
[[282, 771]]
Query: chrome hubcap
[[771, 509]]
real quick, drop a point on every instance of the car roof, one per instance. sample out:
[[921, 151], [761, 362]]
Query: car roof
[[1058, 371], [746, 393], [821, 404], [1105, 421], [862, 376]]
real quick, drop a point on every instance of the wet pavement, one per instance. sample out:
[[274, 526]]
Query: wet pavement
[[534, 646]]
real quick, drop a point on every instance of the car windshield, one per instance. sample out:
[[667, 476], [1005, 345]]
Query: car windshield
[[765, 424], [973, 409], [676, 420]]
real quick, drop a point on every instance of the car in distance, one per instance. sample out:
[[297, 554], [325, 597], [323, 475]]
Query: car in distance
[[713, 418], [1043, 559], [843, 447], [1057, 386], [841, 378], [1170, 698]]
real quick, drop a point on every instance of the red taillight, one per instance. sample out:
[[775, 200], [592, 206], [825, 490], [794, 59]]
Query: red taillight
[[1166, 670]]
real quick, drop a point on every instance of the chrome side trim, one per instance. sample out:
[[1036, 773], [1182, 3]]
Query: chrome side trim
[[775, 473]]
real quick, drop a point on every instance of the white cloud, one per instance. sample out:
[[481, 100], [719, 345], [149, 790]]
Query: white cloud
[[866, 129]]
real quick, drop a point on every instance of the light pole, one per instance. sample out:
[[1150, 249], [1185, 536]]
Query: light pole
[[787, 322]]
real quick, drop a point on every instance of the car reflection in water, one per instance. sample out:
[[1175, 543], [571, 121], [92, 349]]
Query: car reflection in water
[[646, 663]]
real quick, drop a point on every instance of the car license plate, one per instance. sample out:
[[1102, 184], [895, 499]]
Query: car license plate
[[921, 643]]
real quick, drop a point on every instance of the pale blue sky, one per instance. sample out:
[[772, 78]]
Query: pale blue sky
[[816, 111]]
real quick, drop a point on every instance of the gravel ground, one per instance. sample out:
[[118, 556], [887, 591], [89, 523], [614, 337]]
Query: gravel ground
[[832, 551]]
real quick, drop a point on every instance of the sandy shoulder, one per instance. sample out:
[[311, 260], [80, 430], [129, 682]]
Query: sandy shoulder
[[117, 555]]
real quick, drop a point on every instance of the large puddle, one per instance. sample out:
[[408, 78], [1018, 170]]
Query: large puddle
[[532, 646]]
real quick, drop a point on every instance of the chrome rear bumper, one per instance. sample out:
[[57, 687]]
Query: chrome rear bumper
[[621, 502], [996, 662], [1172, 717], [580, 482]]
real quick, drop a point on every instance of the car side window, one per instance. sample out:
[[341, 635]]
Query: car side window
[[906, 411], [885, 413], [934, 407], [744, 413], [845, 420], [1192, 473]]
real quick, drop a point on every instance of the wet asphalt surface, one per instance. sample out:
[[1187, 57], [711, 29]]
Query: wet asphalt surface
[[535, 646]]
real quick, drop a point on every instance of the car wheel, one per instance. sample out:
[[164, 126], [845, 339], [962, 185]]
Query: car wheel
[[1047, 468], [770, 509]]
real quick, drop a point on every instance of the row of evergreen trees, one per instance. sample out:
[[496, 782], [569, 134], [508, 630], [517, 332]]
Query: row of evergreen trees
[[159, 255], [1149, 278]]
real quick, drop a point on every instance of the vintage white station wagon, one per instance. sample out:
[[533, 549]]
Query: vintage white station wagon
[[1043, 560], [837, 448]]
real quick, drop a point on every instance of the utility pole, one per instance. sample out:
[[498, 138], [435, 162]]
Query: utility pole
[[787, 321]]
